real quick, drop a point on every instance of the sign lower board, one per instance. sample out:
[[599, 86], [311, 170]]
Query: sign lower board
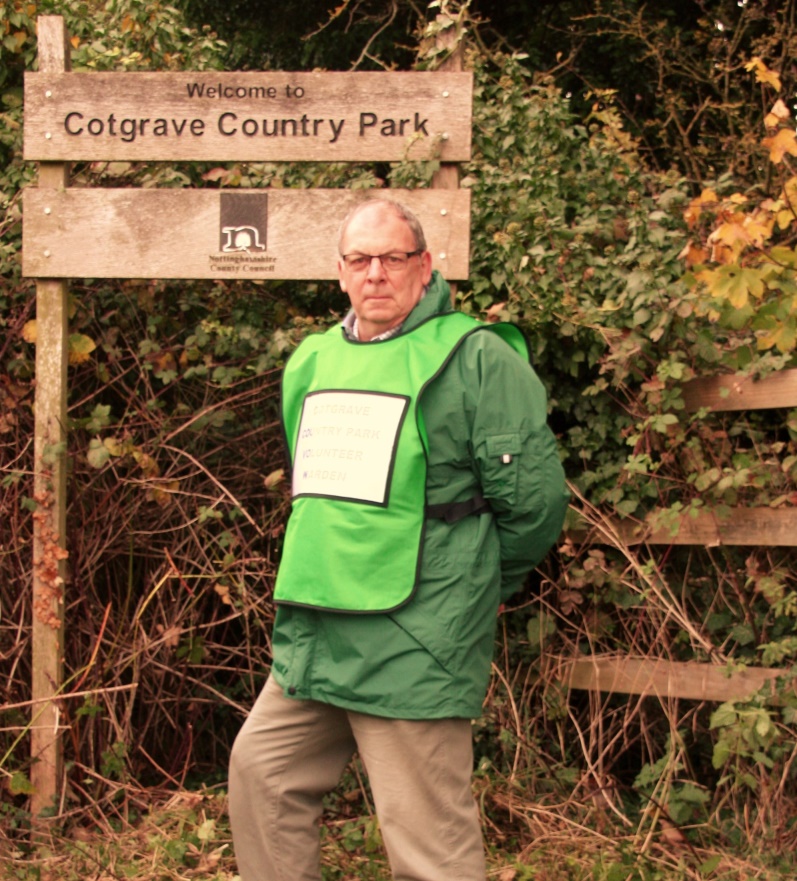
[[263, 116], [252, 234]]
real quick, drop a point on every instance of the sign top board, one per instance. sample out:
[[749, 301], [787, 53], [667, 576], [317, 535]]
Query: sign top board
[[263, 116]]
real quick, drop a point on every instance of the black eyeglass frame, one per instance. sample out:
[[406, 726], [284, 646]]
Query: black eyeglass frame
[[368, 258]]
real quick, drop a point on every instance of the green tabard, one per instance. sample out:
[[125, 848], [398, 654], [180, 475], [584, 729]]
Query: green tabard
[[358, 450]]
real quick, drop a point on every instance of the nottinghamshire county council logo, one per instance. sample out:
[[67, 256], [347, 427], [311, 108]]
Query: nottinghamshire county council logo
[[243, 223]]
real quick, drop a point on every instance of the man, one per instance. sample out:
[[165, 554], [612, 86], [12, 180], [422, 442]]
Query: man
[[426, 486]]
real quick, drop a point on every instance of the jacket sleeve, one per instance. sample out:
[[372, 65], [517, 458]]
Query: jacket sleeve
[[515, 456]]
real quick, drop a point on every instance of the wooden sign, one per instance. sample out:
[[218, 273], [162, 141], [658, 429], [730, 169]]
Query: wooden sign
[[188, 233], [263, 116]]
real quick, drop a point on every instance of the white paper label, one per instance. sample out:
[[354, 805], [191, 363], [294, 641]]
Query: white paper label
[[347, 444]]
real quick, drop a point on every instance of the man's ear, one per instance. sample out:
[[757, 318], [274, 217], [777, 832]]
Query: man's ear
[[426, 267], [341, 278]]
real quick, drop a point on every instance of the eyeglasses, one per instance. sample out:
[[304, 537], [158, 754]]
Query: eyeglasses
[[395, 261]]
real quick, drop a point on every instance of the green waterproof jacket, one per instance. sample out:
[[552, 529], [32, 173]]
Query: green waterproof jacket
[[485, 418]]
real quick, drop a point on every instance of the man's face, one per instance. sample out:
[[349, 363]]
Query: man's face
[[382, 298]]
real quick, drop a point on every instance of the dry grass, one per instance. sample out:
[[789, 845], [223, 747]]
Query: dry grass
[[156, 835]]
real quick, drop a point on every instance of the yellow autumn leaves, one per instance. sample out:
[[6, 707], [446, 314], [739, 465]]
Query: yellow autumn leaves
[[80, 345], [740, 256]]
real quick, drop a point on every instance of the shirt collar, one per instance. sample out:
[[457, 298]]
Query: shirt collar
[[351, 328]]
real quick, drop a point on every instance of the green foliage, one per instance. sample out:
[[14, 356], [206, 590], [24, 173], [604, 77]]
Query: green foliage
[[112, 764], [136, 35], [578, 244]]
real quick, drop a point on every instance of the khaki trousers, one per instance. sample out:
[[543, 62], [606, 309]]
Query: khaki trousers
[[290, 753]]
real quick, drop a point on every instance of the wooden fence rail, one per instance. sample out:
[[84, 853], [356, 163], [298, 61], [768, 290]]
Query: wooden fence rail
[[739, 527]]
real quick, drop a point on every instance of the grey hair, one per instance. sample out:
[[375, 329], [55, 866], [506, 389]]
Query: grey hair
[[398, 208]]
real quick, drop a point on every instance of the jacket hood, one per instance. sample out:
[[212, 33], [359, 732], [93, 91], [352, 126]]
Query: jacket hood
[[435, 301]]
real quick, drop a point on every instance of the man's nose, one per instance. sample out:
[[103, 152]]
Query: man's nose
[[375, 269]]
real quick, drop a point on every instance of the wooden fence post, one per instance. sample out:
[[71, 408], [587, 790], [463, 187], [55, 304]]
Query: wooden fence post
[[49, 486], [448, 39]]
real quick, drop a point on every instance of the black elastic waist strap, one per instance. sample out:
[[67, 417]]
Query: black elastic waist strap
[[451, 512]]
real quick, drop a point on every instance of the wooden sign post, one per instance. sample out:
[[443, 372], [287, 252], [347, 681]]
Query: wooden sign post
[[198, 233], [49, 483], [449, 39]]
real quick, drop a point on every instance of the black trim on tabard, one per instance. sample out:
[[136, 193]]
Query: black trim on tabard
[[393, 452]]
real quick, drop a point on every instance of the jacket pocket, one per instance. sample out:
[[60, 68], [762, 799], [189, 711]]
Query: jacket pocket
[[499, 465]]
